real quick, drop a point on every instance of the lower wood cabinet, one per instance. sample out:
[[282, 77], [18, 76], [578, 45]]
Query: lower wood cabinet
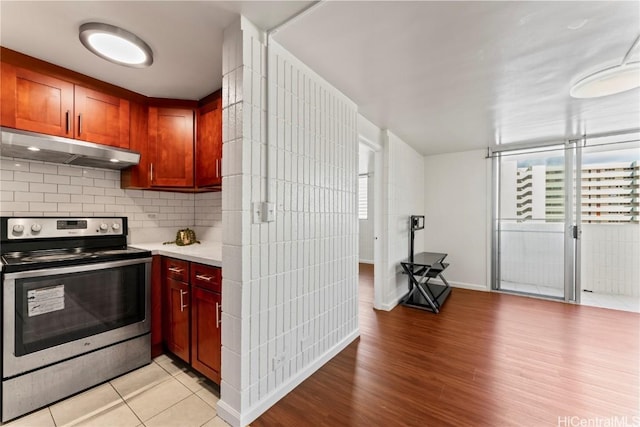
[[205, 332], [178, 340], [192, 313]]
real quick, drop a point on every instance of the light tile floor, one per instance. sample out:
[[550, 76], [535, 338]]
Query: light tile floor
[[594, 299], [162, 394]]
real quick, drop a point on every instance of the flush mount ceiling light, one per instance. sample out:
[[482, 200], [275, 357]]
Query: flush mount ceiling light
[[116, 45], [609, 81]]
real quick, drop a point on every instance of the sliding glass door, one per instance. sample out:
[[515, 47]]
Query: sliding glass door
[[566, 221], [534, 249]]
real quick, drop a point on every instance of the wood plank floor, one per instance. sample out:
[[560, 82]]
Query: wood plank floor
[[487, 359]]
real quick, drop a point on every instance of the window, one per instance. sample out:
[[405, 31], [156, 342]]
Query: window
[[363, 196]]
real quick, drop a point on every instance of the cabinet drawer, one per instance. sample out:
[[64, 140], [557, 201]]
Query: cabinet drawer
[[206, 276], [176, 269]]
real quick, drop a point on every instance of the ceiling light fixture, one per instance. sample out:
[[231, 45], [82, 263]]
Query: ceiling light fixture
[[116, 45], [609, 81]]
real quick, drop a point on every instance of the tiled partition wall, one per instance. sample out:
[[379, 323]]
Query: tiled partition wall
[[404, 196], [48, 189], [290, 286]]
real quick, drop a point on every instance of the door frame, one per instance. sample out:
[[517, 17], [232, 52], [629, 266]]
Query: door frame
[[571, 261], [378, 235]]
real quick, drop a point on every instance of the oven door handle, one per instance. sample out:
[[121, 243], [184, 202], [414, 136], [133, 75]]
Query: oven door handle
[[75, 269], [182, 304]]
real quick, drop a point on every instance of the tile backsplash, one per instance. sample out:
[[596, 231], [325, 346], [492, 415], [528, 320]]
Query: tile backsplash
[[48, 189]]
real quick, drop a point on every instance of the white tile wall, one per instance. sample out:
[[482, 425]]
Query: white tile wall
[[40, 189], [610, 254], [290, 285], [404, 196]]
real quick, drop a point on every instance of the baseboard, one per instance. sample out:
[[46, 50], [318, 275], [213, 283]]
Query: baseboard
[[227, 413], [390, 305], [463, 285], [236, 419]]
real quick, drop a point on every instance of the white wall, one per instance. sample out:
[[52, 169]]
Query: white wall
[[38, 189], [365, 239], [403, 196], [457, 203], [289, 286]]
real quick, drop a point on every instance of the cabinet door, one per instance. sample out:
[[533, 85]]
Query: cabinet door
[[205, 333], [171, 147], [36, 102], [101, 118], [209, 145], [178, 307]]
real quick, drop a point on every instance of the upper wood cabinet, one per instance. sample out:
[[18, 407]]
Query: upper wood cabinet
[[36, 102], [209, 144], [171, 147], [41, 103], [101, 118], [181, 148]]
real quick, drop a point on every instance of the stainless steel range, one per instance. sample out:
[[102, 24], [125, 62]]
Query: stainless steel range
[[75, 307]]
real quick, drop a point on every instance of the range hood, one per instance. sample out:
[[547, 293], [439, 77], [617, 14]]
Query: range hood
[[35, 146]]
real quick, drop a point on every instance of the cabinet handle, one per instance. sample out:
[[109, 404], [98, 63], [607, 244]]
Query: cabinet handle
[[206, 278], [80, 124], [151, 173], [68, 121], [175, 269], [182, 304], [218, 320], [217, 168]]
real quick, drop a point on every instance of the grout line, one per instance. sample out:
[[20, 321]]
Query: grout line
[[169, 407], [52, 418], [125, 402]]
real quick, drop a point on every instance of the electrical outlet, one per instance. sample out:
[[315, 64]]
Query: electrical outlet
[[268, 212], [278, 361], [152, 216]]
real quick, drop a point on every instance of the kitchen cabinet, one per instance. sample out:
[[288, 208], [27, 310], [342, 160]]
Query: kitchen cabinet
[[209, 143], [36, 102], [101, 118], [176, 312], [181, 146], [41, 103], [170, 147], [192, 314], [206, 312]]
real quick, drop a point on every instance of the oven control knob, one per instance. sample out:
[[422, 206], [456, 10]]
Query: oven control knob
[[104, 227], [18, 229], [36, 228], [115, 226]]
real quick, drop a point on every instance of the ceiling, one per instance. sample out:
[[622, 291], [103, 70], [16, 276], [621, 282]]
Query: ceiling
[[443, 76], [185, 36]]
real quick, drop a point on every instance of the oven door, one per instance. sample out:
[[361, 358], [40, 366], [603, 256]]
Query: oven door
[[54, 314]]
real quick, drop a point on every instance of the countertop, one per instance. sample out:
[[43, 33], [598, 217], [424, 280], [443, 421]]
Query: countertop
[[209, 253]]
